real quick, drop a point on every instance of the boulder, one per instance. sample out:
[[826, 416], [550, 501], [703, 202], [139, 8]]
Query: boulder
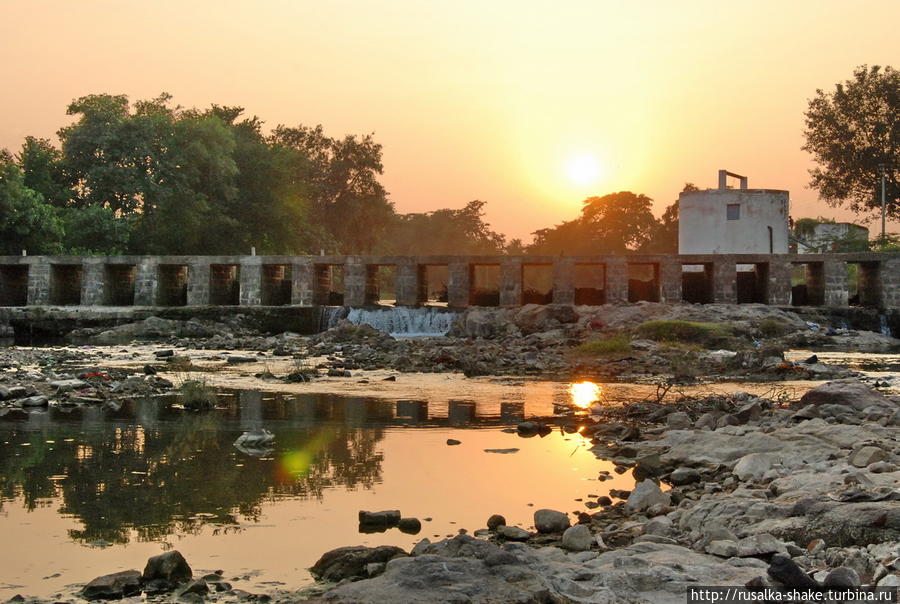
[[865, 455], [550, 521], [645, 495], [678, 421], [411, 526], [842, 576], [170, 567], [759, 545], [683, 476], [350, 562], [113, 587], [577, 538], [255, 439], [66, 385], [850, 393], [722, 548], [755, 465], [34, 401], [495, 520]]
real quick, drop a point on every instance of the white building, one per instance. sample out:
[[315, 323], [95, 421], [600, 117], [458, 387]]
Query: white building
[[733, 221], [826, 237]]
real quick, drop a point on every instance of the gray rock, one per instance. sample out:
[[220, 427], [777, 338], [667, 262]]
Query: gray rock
[[706, 421], [725, 549], [678, 421], [749, 412], [755, 465], [513, 533], [683, 476], [495, 520], [197, 586], [255, 439], [66, 385], [851, 393], [170, 567], [502, 451], [842, 576], [758, 545], [866, 455], [577, 538], [889, 581], [35, 401], [728, 420], [350, 562], [785, 571], [550, 521], [645, 495], [661, 525], [113, 587], [880, 467]]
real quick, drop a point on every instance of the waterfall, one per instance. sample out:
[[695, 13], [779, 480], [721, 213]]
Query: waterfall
[[883, 325], [398, 322]]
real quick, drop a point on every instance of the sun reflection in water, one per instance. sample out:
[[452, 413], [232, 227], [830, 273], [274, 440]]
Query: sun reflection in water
[[584, 394]]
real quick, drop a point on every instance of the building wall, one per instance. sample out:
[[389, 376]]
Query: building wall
[[827, 233], [704, 228]]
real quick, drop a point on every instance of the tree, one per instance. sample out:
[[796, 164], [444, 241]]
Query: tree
[[342, 176], [42, 167], [851, 132], [612, 224], [446, 231], [664, 239], [27, 222]]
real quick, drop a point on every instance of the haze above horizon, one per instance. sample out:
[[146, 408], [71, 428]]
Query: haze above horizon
[[531, 108]]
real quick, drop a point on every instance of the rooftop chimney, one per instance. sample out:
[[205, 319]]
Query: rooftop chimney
[[723, 177]]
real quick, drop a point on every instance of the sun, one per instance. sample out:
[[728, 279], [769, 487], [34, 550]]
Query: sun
[[583, 170]]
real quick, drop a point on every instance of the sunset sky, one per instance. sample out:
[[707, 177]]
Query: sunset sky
[[530, 106]]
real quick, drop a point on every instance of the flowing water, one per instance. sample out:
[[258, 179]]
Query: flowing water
[[398, 322]]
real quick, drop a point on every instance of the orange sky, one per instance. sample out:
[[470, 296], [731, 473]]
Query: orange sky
[[475, 99]]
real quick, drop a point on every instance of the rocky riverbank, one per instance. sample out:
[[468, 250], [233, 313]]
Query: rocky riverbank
[[753, 493]]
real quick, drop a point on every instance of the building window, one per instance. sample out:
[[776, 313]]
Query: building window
[[733, 211]]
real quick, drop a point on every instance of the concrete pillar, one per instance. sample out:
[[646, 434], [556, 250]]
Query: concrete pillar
[[250, 293], [198, 282], [724, 287], [303, 283], [355, 281], [889, 275], [616, 280], [835, 283], [39, 283], [409, 284], [146, 282], [459, 284], [778, 292], [511, 282], [564, 281], [93, 282], [670, 281], [815, 284]]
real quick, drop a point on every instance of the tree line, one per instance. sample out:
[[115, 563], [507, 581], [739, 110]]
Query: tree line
[[151, 177]]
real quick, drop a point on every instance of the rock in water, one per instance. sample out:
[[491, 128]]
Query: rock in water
[[170, 567], [646, 494], [255, 439], [513, 533], [577, 538], [411, 526], [495, 520], [550, 521], [383, 518], [113, 587]]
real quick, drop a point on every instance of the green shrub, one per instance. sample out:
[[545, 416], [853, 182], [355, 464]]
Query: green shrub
[[774, 328], [684, 331], [197, 394], [611, 345]]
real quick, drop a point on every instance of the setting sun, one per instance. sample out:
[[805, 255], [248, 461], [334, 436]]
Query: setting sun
[[583, 170], [584, 394]]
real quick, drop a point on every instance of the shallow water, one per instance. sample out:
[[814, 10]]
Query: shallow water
[[89, 492]]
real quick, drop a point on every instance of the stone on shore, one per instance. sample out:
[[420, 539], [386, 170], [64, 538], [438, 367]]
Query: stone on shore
[[577, 538], [645, 495], [755, 465], [113, 587], [513, 533], [550, 521], [495, 520], [351, 562], [850, 393]]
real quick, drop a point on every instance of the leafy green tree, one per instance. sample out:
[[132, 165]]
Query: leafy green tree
[[42, 166], [342, 177], [27, 222], [446, 231], [94, 230], [851, 133], [612, 224]]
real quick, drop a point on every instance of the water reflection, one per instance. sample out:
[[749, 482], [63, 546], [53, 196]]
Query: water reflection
[[148, 470]]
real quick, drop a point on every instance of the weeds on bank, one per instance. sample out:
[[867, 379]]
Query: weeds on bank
[[610, 345], [197, 394], [685, 331]]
